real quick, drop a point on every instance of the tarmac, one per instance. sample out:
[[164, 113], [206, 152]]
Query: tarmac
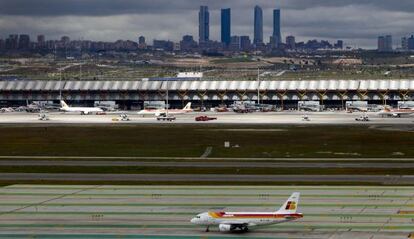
[[287, 117], [207, 164], [212, 178], [88, 211]]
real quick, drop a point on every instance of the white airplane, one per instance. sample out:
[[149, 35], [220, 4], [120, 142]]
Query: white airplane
[[241, 221], [395, 112], [82, 110], [6, 110], [158, 112]]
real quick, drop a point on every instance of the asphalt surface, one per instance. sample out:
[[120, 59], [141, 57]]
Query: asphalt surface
[[70, 177], [287, 117], [117, 158], [164, 212], [87, 163]]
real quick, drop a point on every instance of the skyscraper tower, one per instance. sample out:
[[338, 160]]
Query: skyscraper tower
[[258, 25], [225, 26], [204, 24], [277, 36]]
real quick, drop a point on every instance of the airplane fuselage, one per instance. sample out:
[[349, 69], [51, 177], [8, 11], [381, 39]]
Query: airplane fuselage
[[243, 218], [82, 110], [157, 112], [396, 112]]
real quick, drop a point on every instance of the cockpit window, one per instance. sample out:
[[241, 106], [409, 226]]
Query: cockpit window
[[198, 217]]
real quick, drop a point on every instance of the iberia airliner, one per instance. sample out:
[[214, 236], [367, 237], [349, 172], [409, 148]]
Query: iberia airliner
[[241, 221], [158, 112]]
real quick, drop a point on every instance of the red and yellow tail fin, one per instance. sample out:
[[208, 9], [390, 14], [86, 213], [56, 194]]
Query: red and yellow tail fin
[[291, 205]]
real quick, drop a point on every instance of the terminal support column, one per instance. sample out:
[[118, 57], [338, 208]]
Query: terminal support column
[[321, 94], [221, 94], [362, 94], [143, 95], [262, 94], [342, 95], [404, 94], [182, 94], [281, 95], [384, 96], [302, 94], [241, 94], [201, 95]]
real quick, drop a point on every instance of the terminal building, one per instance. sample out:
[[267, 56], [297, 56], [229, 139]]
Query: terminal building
[[282, 93]]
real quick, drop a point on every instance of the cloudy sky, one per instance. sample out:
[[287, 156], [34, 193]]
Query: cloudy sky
[[357, 22]]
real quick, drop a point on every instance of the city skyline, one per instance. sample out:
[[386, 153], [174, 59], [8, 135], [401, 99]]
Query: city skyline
[[358, 23]]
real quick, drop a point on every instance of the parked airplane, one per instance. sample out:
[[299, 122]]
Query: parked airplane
[[395, 112], [82, 110], [241, 221], [6, 110], [158, 112]]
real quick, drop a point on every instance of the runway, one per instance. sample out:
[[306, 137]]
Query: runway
[[163, 212], [97, 178], [222, 118], [205, 164]]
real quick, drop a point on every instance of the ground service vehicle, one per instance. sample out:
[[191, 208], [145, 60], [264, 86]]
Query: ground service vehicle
[[165, 117], [204, 118], [362, 118]]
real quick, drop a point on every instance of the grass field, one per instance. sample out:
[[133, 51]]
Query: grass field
[[192, 141], [256, 143]]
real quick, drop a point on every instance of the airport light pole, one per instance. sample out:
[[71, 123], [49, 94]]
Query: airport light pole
[[166, 107], [60, 84], [258, 85]]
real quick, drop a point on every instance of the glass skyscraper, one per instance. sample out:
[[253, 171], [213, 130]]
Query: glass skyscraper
[[225, 26], [277, 36], [204, 24], [258, 25]]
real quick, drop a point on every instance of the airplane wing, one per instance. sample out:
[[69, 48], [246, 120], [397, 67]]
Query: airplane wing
[[238, 224]]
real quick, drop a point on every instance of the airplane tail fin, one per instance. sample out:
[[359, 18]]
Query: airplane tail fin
[[63, 104], [291, 205], [188, 106]]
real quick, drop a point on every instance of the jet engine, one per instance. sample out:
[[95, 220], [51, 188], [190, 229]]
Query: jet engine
[[225, 227]]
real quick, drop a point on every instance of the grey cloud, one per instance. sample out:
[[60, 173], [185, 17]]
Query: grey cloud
[[111, 7]]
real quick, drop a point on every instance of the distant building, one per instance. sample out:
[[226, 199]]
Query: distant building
[[163, 45], [24, 41], [245, 43], [385, 43], [225, 26], [235, 43], [410, 42], [141, 40], [339, 44], [204, 24], [277, 35], [65, 39], [381, 43], [388, 43], [12, 42], [404, 43], [41, 39], [274, 42], [177, 46], [291, 42], [188, 43], [258, 26], [2, 44], [141, 43]]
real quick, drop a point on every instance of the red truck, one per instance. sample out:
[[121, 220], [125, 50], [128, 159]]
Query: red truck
[[204, 118]]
